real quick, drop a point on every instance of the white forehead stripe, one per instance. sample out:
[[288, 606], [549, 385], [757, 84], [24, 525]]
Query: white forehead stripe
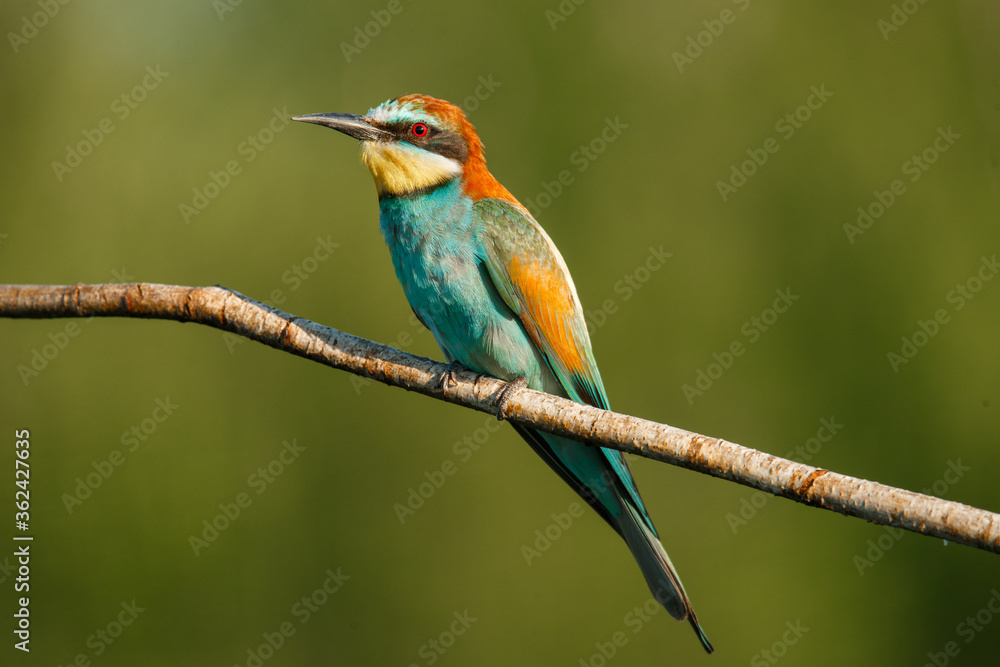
[[392, 111]]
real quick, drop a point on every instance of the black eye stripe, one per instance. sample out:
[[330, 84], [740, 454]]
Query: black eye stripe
[[403, 130], [443, 142], [449, 144]]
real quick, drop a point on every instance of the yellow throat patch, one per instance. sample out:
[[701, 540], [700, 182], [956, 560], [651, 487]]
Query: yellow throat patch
[[398, 169]]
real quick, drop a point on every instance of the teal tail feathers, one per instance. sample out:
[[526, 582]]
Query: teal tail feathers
[[657, 569]]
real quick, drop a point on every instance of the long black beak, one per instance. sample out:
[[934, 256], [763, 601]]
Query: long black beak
[[350, 124]]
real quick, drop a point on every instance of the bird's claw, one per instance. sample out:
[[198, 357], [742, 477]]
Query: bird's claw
[[448, 378], [502, 401]]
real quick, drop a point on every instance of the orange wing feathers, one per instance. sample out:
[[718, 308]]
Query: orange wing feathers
[[550, 305]]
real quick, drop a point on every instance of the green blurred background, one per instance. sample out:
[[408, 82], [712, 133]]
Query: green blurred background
[[855, 593]]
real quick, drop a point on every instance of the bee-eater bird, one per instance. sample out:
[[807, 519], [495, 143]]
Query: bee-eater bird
[[488, 282]]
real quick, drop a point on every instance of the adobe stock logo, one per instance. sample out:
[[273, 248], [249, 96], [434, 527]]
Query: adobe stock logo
[[877, 548], [786, 126], [30, 27], [562, 12], [753, 329], [901, 13], [303, 610], [249, 149], [698, 43], [294, 276], [585, 155], [967, 630], [779, 648], [635, 620], [260, 481], [102, 638], [363, 35], [626, 288], [432, 480], [223, 7], [42, 357], [435, 647], [104, 468], [403, 340], [958, 297], [544, 537], [752, 504], [47, 353], [122, 106], [913, 168]]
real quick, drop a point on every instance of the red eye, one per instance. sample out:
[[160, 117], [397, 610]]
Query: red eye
[[419, 130]]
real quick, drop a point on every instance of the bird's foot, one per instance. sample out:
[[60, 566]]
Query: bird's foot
[[502, 401], [448, 378]]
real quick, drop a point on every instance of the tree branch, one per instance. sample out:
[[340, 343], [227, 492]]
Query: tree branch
[[230, 311]]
